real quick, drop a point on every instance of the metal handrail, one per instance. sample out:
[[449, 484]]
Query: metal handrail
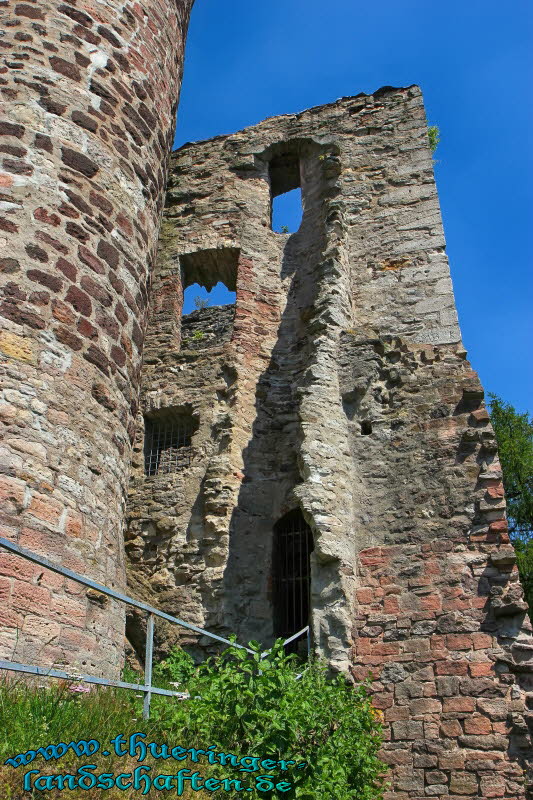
[[152, 612]]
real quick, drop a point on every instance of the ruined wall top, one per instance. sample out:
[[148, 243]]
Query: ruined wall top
[[376, 148]]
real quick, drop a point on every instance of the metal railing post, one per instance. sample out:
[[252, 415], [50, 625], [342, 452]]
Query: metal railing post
[[148, 666]]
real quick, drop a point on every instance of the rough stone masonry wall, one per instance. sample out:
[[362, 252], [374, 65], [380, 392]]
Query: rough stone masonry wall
[[343, 391], [89, 93]]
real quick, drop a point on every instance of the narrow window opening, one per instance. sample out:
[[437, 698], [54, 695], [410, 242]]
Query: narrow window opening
[[287, 211], [291, 575], [285, 192], [366, 427], [167, 441]]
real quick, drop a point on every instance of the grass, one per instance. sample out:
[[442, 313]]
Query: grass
[[35, 717]]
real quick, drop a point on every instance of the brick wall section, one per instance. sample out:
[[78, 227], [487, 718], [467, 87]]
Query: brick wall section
[[89, 94], [440, 620]]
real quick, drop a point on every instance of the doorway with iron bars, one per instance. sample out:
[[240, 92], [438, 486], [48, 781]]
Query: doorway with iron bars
[[291, 576]]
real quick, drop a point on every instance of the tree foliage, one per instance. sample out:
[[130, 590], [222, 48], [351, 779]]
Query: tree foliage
[[514, 434]]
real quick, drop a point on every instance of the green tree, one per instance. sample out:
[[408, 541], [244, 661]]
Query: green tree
[[514, 434]]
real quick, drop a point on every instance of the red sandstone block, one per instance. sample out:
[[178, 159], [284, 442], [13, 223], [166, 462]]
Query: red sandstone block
[[494, 492], [10, 619], [5, 590], [391, 605], [47, 544], [477, 725], [396, 758], [450, 728], [481, 669], [484, 755], [492, 786], [432, 568], [459, 641], [45, 509], [396, 713], [68, 610], [431, 602], [500, 727], [464, 783], [12, 491], [453, 759], [481, 640], [363, 646], [73, 524], [40, 626], [370, 558], [382, 700], [480, 415], [43, 215], [30, 597], [71, 587], [456, 604], [424, 706], [451, 667], [386, 649], [419, 644], [458, 704], [14, 566], [498, 526], [361, 672]]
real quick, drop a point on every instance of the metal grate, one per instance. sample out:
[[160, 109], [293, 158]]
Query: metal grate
[[167, 444], [293, 544]]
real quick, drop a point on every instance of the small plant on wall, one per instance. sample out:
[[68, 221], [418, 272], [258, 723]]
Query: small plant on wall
[[434, 137]]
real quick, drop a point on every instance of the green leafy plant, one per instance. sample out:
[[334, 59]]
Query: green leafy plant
[[434, 137], [514, 434], [178, 668], [257, 706]]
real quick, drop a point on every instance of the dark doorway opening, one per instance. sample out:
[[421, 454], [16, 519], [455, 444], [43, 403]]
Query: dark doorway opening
[[291, 576]]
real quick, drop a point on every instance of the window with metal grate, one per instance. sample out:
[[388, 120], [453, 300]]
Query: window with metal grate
[[167, 442], [291, 574]]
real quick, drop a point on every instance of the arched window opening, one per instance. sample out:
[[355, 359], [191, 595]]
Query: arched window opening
[[291, 574], [167, 441]]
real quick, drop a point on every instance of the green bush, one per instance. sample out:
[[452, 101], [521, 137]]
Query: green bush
[[257, 707]]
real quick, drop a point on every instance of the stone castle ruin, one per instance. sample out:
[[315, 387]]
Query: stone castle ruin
[[317, 452]]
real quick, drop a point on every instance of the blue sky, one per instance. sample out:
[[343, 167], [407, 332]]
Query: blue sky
[[251, 59]]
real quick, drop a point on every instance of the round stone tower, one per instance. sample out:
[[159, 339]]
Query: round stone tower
[[89, 95]]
